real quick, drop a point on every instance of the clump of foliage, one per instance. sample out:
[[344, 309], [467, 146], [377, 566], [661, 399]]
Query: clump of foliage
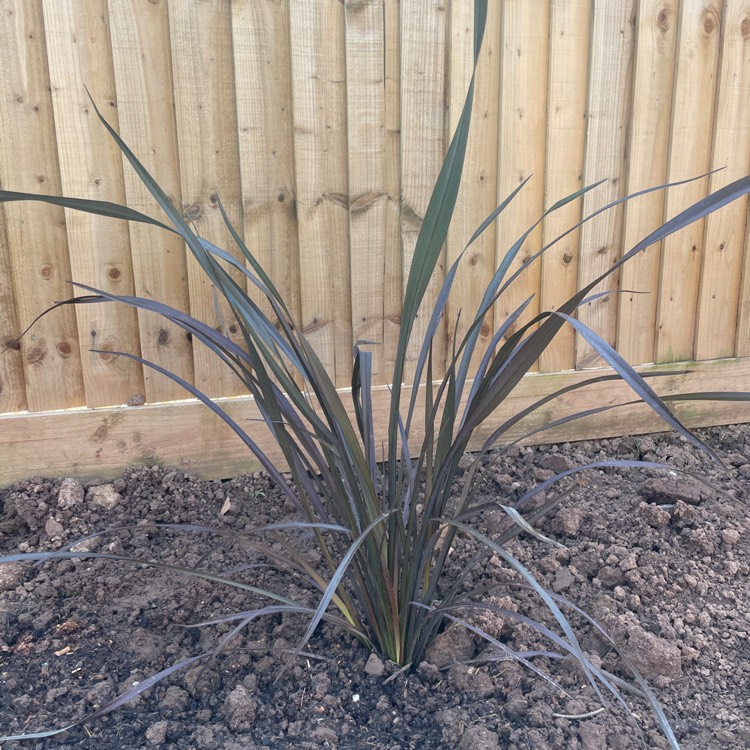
[[383, 552]]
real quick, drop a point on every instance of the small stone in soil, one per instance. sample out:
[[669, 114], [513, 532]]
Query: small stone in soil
[[71, 493], [104, 495], [375, 666], [479, 738]]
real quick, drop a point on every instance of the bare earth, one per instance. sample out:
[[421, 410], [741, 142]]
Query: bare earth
[[660, 560]]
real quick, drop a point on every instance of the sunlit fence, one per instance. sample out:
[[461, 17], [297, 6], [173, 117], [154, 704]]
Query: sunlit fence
[[321, 125]]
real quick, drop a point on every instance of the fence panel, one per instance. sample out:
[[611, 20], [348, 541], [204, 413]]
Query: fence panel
[[321, 126]]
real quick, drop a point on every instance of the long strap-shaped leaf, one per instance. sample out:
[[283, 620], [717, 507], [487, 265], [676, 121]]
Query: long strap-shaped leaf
[[101, 208]]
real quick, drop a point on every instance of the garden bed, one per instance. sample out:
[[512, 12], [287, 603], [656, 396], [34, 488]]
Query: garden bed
[[661, 561]]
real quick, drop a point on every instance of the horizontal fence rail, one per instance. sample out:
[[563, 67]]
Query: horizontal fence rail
[[321, 126]]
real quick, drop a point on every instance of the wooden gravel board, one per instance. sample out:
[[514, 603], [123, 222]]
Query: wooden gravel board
[[100, 443]]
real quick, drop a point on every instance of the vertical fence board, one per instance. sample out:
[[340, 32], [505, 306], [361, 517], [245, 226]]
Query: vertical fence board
[[319, 95], [569, 28], [690, 150], [423, 144], [37, 251], [12, 390], [365, 86], [648, 153], [392, 264], [260, 34], [716, 318], [522, 144], [78, 45], [610, 71], [202, 69], [146, 114], [742, 344], [476, 199]]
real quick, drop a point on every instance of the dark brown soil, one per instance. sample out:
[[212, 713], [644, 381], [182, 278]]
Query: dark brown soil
[[661, 561]]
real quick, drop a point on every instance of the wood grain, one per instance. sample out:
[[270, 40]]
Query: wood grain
[[423, 145], [570, 24], [260, 35], [690, 154], [79, 49], [320, 151], [721, 273], [477, 197], [203, 73], [392, 274], [368, 195], [37, 262], [609, 99], [521, 149], [648, 154], [146, 115], [12, 390]]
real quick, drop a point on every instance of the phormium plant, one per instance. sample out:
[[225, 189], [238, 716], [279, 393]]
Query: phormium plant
[[383, 552]]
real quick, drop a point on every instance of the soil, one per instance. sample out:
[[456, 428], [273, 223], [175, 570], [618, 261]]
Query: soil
[[659, 559]]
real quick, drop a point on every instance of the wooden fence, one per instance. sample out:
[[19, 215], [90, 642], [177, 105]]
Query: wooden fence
[[322, 125]]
